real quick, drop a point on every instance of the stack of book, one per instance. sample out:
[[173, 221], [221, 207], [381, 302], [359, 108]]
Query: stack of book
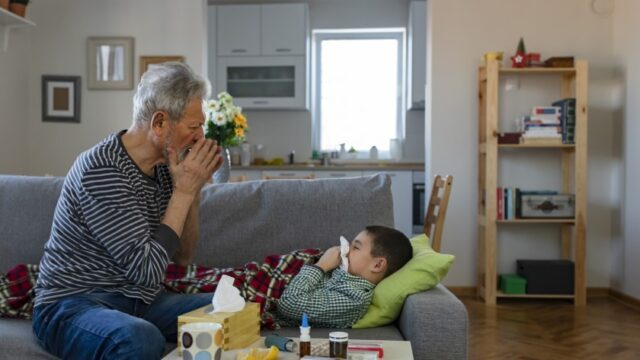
[[543, 126], [567, 119]]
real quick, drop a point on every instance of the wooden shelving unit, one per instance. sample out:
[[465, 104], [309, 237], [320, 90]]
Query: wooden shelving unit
[[10, 21], [574, 83]]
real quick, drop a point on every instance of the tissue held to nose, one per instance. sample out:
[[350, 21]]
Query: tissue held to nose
[[344, 251]]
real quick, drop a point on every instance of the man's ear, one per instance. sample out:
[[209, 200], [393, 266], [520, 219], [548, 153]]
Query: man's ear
[[379, 265], [159, 122]]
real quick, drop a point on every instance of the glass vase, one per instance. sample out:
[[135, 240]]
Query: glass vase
[[222, 174]]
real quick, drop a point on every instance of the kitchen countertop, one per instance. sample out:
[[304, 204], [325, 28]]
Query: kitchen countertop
[[361, 166]]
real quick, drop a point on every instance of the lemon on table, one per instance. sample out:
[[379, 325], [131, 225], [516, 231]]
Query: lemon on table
[[260, 354], [272, 354]]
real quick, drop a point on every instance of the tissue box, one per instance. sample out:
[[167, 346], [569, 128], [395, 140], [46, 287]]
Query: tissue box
[[240, 329]]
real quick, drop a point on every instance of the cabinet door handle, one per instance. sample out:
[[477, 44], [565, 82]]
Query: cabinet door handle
[[260, 102], [237, 51], [283, 50]]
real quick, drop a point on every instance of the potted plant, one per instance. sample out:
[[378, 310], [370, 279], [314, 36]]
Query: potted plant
[[18, 7]]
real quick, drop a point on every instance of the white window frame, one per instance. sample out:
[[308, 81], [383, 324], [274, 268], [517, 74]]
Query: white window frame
[[398, 34]]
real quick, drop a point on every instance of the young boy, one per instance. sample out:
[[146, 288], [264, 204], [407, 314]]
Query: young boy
[[333, 298]]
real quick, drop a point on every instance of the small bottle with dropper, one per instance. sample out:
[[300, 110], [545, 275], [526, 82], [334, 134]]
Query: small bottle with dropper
[[305, 337]]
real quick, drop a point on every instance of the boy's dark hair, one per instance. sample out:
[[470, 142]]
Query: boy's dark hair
[[391, 244]]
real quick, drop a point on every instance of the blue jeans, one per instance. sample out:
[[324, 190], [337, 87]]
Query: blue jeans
[[103, 325]]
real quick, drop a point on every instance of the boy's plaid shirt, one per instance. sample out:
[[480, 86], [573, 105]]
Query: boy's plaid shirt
[[332, 300]]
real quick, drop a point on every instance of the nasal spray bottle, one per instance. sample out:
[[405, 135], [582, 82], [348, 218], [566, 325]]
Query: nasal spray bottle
[[305, 337]]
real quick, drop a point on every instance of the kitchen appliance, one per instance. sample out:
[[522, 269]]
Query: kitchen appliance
[[418, 203]]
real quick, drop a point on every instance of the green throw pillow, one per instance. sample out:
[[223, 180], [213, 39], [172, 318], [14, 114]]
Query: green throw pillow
[[424, 271]]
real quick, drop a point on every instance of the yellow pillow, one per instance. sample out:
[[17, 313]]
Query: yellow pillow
[[424, 271]]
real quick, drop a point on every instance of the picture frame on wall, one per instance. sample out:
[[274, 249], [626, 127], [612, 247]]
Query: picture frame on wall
[[61, 98], [110, 63], [146, 61]]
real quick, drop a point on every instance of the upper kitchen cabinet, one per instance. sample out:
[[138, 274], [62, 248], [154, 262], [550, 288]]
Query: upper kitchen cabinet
[[261, 57], [417, 58], [253, 30], [284, 30], [238, 30]]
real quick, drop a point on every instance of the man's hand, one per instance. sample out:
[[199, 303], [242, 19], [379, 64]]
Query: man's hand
[[190, 174], [330, 259]]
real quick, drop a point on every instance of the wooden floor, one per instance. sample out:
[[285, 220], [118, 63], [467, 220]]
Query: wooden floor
[[553, 329]]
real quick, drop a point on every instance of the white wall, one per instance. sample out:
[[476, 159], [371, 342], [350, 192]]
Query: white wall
[[461, 31], [13, 103], [626, 229], [160, 27], [267, 126]]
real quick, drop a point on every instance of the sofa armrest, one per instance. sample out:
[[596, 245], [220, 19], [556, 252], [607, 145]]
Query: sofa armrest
[[436, 323]]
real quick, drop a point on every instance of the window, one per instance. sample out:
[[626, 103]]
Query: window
[[358, 89]]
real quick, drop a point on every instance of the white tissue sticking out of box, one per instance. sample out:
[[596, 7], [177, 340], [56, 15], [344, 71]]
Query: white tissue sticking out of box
[[344, 250], [227, 297]]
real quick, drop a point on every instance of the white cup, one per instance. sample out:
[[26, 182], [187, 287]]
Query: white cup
[[395, 149], [201, 340]]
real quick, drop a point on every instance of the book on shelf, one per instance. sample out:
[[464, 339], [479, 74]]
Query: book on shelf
[[567, 119], [542, 119], [546, 110]]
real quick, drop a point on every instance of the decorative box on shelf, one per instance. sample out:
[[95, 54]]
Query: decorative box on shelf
[[240, 329]]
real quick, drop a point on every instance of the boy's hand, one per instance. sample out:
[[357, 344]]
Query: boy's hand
[[330, 259]]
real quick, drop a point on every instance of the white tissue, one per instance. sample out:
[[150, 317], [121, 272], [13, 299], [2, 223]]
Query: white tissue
[[227, 297], [344, 250]]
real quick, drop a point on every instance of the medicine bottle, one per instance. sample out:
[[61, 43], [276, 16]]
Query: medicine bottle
[[305, 337], [338, 343]]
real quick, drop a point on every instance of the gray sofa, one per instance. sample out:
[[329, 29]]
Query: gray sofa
[[243, 222]]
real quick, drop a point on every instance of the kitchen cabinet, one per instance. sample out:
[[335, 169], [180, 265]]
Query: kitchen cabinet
[[287, 174], [417, 55], [284, 29], [264, 82], [238, 30], [332, 174], [261, 57], [401, 188], [268, 30]]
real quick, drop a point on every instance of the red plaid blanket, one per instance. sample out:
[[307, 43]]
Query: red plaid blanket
[[258, 282]]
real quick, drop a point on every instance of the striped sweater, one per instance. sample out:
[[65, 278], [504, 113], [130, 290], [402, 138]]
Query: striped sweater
[[106, 230]]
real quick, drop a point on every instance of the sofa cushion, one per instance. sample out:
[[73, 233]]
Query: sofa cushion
[[26, 209], [18, 342], [424, 271], [241, 222]]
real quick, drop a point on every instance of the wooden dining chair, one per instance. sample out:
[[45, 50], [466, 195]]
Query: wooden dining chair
[[437, 209]]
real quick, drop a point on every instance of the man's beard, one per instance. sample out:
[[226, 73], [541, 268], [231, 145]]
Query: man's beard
[[167, 144]]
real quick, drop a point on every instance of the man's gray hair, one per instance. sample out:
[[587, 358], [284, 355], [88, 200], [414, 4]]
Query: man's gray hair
[[168, 87]]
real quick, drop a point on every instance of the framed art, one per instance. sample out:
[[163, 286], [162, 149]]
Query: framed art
[[110, 63], [61, 98], [146, 61]]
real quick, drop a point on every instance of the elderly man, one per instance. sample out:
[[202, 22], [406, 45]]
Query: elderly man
[[128, 206]]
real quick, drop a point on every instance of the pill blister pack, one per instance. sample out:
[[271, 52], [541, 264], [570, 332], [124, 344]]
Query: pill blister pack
[[320, 348]]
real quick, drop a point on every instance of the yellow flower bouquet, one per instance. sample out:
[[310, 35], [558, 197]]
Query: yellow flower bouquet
[[225, 122]]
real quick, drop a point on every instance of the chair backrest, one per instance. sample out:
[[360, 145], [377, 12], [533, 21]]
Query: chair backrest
[[437, 209]]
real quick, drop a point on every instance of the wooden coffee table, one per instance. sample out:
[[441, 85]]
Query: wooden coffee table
[[393, 350]]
